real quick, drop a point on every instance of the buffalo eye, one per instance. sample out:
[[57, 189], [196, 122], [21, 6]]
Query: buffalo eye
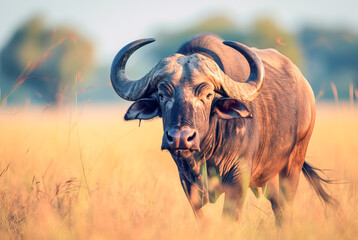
[[206, 97], [161, 96]]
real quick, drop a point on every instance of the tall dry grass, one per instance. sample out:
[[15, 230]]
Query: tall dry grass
[[133, 190]]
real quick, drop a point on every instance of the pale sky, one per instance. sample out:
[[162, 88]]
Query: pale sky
[[112, 24]]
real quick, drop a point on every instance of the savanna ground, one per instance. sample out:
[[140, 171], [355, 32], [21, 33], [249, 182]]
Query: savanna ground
[[103, 178]]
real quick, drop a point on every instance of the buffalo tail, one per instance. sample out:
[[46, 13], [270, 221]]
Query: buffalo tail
[[318, 182]]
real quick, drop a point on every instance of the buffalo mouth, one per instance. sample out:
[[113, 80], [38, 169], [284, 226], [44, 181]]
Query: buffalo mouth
[[186, 162], [182, 153]]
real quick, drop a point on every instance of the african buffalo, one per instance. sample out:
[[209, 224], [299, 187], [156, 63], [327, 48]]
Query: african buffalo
[[234, 117]]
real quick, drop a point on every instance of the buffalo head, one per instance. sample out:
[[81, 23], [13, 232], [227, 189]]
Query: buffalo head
[[186, 91]]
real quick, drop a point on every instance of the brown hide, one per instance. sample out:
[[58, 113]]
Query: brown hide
[[242, 142]]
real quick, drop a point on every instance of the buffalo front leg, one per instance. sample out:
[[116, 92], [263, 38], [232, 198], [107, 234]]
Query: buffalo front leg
[[234, 200], [197, 195]]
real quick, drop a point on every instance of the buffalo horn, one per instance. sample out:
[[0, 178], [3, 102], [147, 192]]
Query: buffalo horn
[[250, 89], [124, 87]]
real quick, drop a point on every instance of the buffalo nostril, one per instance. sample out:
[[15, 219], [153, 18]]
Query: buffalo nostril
[[192, 137], [170, 138], [181, 138]]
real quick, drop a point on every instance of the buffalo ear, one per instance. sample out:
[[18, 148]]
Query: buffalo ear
[[145, 108], [228, 108]]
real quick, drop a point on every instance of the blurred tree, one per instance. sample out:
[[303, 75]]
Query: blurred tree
[[330, 56], [265, 33], [170, 40], [48, 59]]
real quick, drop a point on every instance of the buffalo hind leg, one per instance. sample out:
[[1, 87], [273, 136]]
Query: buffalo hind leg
[[290, 175], [272, 193], [289, 183]]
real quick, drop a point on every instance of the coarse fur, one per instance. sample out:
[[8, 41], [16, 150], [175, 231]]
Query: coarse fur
[[275, 140], [262, 144]]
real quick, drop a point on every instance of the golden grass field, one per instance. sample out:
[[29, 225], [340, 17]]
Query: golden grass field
[[103, 178]]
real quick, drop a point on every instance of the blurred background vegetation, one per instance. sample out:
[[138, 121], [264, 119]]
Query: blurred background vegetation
[[43, 62]]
